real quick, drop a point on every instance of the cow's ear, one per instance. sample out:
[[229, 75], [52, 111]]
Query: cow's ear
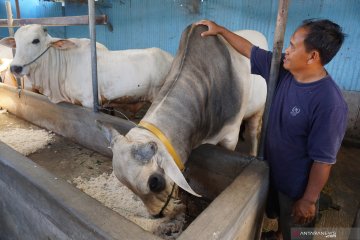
[[144, 152], [8, 42], [109, 132], [63, 44], [173, 172]]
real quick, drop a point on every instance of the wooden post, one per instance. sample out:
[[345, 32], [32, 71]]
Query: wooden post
[[11, 34], [9, 18], [274, 74], [274, 70], [18, 15]]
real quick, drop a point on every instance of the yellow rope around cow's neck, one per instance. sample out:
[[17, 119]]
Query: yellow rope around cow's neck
[[152, 128]]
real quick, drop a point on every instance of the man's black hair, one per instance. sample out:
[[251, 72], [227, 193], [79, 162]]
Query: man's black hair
[[324, 36]]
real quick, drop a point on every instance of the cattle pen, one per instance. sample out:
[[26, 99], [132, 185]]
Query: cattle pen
[[51, 202], [234, 186]]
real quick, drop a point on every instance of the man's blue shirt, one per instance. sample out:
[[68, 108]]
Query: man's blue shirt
[[307, 123]]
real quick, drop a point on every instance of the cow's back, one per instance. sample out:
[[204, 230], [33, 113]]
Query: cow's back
[[253, 87], [133, 73], [200, 92], [122, 74]]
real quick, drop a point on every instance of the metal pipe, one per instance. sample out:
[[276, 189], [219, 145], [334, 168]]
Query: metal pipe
[[274, 70], [63, 14], [56, 21], [91, 4]]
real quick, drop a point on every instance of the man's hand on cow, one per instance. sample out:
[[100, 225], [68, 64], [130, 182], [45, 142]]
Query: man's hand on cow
[[303, 211], [214, 29]]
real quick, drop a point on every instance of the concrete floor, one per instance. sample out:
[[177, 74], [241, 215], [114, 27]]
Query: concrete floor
[[344, 188], [62, 157]]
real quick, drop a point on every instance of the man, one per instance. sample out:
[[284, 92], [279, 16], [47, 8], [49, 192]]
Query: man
[[307, 118]]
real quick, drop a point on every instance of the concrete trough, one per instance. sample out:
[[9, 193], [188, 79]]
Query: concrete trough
[[36, 204]]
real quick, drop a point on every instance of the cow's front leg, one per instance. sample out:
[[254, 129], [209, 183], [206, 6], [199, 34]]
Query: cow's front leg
[[230, 141], [254, 127]]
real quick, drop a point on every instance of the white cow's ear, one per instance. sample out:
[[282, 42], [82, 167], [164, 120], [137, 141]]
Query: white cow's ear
[[172, 171], [109, 132], [63, 44], [8, 42]]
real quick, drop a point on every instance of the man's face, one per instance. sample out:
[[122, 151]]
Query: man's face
[[296, 57]]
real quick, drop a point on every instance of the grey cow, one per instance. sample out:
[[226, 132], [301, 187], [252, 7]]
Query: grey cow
[[207, 93]]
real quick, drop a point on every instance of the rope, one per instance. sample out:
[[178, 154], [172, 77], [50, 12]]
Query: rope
[[37, 57], [160, 214], [109, 109]]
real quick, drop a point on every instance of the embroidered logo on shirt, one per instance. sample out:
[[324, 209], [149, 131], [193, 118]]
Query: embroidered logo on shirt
[[295, 111]]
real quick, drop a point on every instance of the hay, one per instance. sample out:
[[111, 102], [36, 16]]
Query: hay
[[108, 190], [26, 141]]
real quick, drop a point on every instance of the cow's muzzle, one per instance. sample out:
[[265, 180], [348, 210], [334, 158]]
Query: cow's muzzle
[[156, 183], [16, 69], [161, 213]]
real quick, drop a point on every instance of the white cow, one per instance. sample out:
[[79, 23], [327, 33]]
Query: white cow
[[61, 68], [5, 73], [207, 93], [5, 52], [7, 77], [5, 61]]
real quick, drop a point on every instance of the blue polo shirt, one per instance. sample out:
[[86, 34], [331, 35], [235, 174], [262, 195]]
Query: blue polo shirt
[[307, 123]]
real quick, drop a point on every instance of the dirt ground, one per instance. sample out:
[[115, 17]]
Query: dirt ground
[[69, 160]]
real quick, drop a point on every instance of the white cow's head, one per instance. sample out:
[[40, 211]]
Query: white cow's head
[[31, 41], [142, 163]]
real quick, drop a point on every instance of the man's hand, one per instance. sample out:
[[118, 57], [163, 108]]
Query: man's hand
[[303, 211], [240, 44], [214, 29]]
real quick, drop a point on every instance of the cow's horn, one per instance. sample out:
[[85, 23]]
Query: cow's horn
[[172, 171]]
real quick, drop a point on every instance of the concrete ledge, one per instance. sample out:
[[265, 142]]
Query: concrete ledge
[[242, 183], [74, 122]]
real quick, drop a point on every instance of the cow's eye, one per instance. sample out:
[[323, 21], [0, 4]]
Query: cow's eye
[[35, 41]]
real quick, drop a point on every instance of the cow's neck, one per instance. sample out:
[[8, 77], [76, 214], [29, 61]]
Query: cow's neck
[[188, 119], [178, 130], [50, 79]]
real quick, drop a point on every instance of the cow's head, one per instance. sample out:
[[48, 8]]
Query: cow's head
[[142, 163], [30, 42]]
